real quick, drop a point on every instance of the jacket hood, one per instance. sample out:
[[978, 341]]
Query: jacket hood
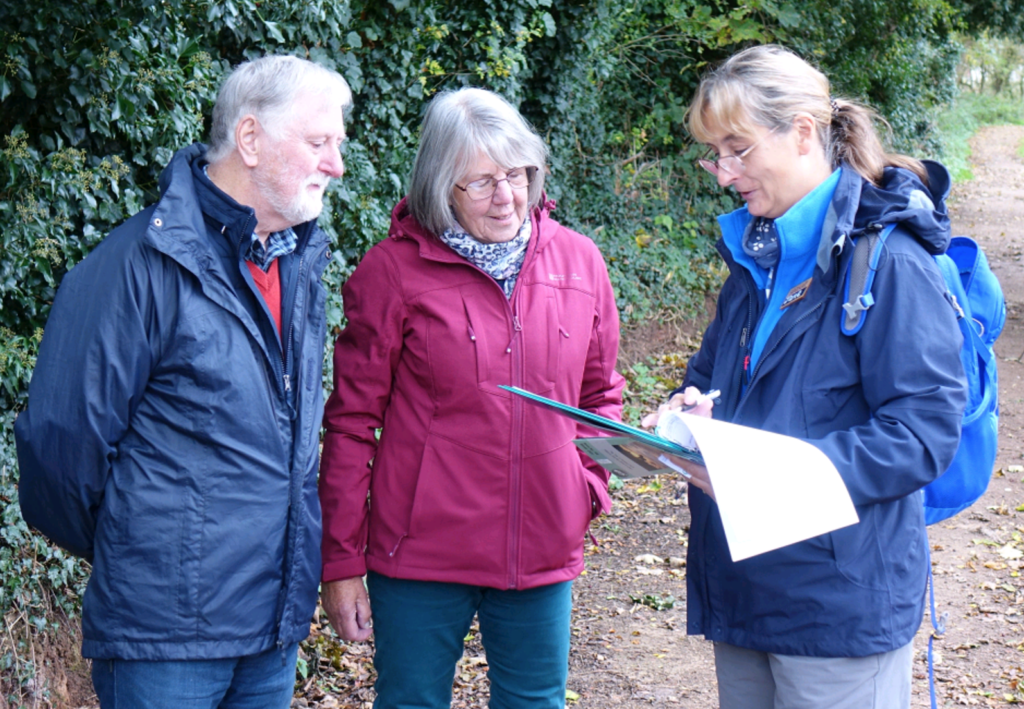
[[903, 197]]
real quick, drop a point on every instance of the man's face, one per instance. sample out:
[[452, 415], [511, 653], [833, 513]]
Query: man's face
[[298, 160]]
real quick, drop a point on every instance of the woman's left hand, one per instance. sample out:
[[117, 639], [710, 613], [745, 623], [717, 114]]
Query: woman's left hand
[[696, 474]]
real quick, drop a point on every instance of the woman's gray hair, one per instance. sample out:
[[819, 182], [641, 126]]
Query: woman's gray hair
[[769, 86], [267, 88], [458, 125]]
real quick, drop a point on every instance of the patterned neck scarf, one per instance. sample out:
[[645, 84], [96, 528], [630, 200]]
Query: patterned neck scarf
[[761, 243], [501, 262]]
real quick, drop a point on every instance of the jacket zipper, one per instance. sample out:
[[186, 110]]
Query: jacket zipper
[[515, 472], [514, 463], [746, 335], [286, 353], [516, 329], [513, 349], [295, 486]]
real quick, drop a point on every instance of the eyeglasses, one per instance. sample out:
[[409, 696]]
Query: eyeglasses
[[517, 179], [732, 164]]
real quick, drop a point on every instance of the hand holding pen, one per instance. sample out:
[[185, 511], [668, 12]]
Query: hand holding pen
[[690, 400]]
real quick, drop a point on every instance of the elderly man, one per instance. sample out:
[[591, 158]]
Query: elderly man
[[173, 420]]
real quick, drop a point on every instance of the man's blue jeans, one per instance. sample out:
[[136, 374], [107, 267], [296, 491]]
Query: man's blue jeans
[[263, 681]]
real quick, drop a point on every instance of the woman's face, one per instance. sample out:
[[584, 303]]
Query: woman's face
[[495, 219], [779, 166]]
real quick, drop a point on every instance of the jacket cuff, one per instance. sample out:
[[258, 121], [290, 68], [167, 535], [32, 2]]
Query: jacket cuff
[[344, 569]]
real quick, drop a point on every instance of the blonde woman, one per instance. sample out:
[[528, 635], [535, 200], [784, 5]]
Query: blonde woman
[[827, 622]]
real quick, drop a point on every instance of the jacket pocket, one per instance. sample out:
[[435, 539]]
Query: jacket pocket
[[858, 556], [542, 334], [481, 340], [557, 509], [458, 518]]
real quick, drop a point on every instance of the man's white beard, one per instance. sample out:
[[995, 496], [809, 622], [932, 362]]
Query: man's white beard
[[304, 207]]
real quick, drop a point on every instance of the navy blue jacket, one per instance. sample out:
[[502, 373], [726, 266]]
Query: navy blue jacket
[[171, 437], [884, 405]]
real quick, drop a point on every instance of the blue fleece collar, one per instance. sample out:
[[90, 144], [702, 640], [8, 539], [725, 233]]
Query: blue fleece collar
[[800, 228], [800, 232]]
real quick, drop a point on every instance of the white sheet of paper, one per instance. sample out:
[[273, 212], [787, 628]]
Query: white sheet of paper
[[772, 490]]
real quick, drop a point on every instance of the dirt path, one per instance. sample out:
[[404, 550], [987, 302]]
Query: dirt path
[[628, 653]]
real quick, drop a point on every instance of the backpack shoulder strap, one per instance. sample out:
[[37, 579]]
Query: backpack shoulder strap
[[860, 276]]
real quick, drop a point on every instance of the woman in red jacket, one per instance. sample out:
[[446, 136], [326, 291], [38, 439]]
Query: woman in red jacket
[[472, 501]]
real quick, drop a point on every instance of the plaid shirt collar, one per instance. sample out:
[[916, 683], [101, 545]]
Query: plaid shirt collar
[[280, 243]]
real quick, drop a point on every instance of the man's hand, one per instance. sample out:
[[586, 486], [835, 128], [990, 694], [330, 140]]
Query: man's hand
[[348, 608]]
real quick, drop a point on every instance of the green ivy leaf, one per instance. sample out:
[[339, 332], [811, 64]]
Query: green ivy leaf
[[274, 31]]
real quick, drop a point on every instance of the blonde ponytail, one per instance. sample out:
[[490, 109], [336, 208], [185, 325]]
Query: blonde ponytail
[[853, 139]]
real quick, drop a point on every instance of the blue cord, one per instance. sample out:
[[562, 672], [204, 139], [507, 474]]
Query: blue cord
[[938, 625]]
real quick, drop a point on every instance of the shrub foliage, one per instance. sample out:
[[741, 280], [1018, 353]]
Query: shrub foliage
[[95, 96]]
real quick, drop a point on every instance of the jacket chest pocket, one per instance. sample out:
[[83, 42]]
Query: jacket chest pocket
[[495, 343], [541, 333], [831, 389], [466, 338]]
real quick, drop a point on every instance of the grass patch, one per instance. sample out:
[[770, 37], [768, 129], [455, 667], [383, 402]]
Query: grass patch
[[963, 118]]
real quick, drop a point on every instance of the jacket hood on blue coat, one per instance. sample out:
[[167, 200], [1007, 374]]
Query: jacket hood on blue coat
[[903, 197]]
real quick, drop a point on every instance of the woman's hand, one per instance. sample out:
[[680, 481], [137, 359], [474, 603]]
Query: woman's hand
[[690, 399], [697, 404], [695, 473], [348, 608]]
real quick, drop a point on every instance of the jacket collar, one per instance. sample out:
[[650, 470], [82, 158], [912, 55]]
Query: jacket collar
[[804, 226]]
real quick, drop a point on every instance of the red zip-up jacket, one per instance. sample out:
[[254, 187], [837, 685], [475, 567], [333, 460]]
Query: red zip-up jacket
[[467, 483]]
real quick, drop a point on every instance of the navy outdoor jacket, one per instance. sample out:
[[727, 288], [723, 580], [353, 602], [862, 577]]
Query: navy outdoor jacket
[[171, 437], [884, 405]]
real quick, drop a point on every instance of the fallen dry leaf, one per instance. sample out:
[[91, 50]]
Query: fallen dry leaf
[[1010, 552]]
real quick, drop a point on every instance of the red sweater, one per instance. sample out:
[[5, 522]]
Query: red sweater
[[269, 283]]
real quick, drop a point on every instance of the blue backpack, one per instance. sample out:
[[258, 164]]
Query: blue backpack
[[975, 294]]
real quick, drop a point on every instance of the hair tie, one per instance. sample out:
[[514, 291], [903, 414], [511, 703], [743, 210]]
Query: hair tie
[[835, 105]]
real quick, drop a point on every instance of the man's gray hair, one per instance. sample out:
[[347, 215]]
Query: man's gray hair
[[267, 88], [458, 125]]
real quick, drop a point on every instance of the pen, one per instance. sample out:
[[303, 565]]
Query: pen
[[713, 394]]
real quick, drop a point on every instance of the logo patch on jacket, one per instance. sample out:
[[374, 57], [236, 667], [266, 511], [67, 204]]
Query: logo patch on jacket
[[797, 292]]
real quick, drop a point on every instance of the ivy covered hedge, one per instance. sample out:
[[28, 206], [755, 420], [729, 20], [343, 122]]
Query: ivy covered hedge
[[95, 95]]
